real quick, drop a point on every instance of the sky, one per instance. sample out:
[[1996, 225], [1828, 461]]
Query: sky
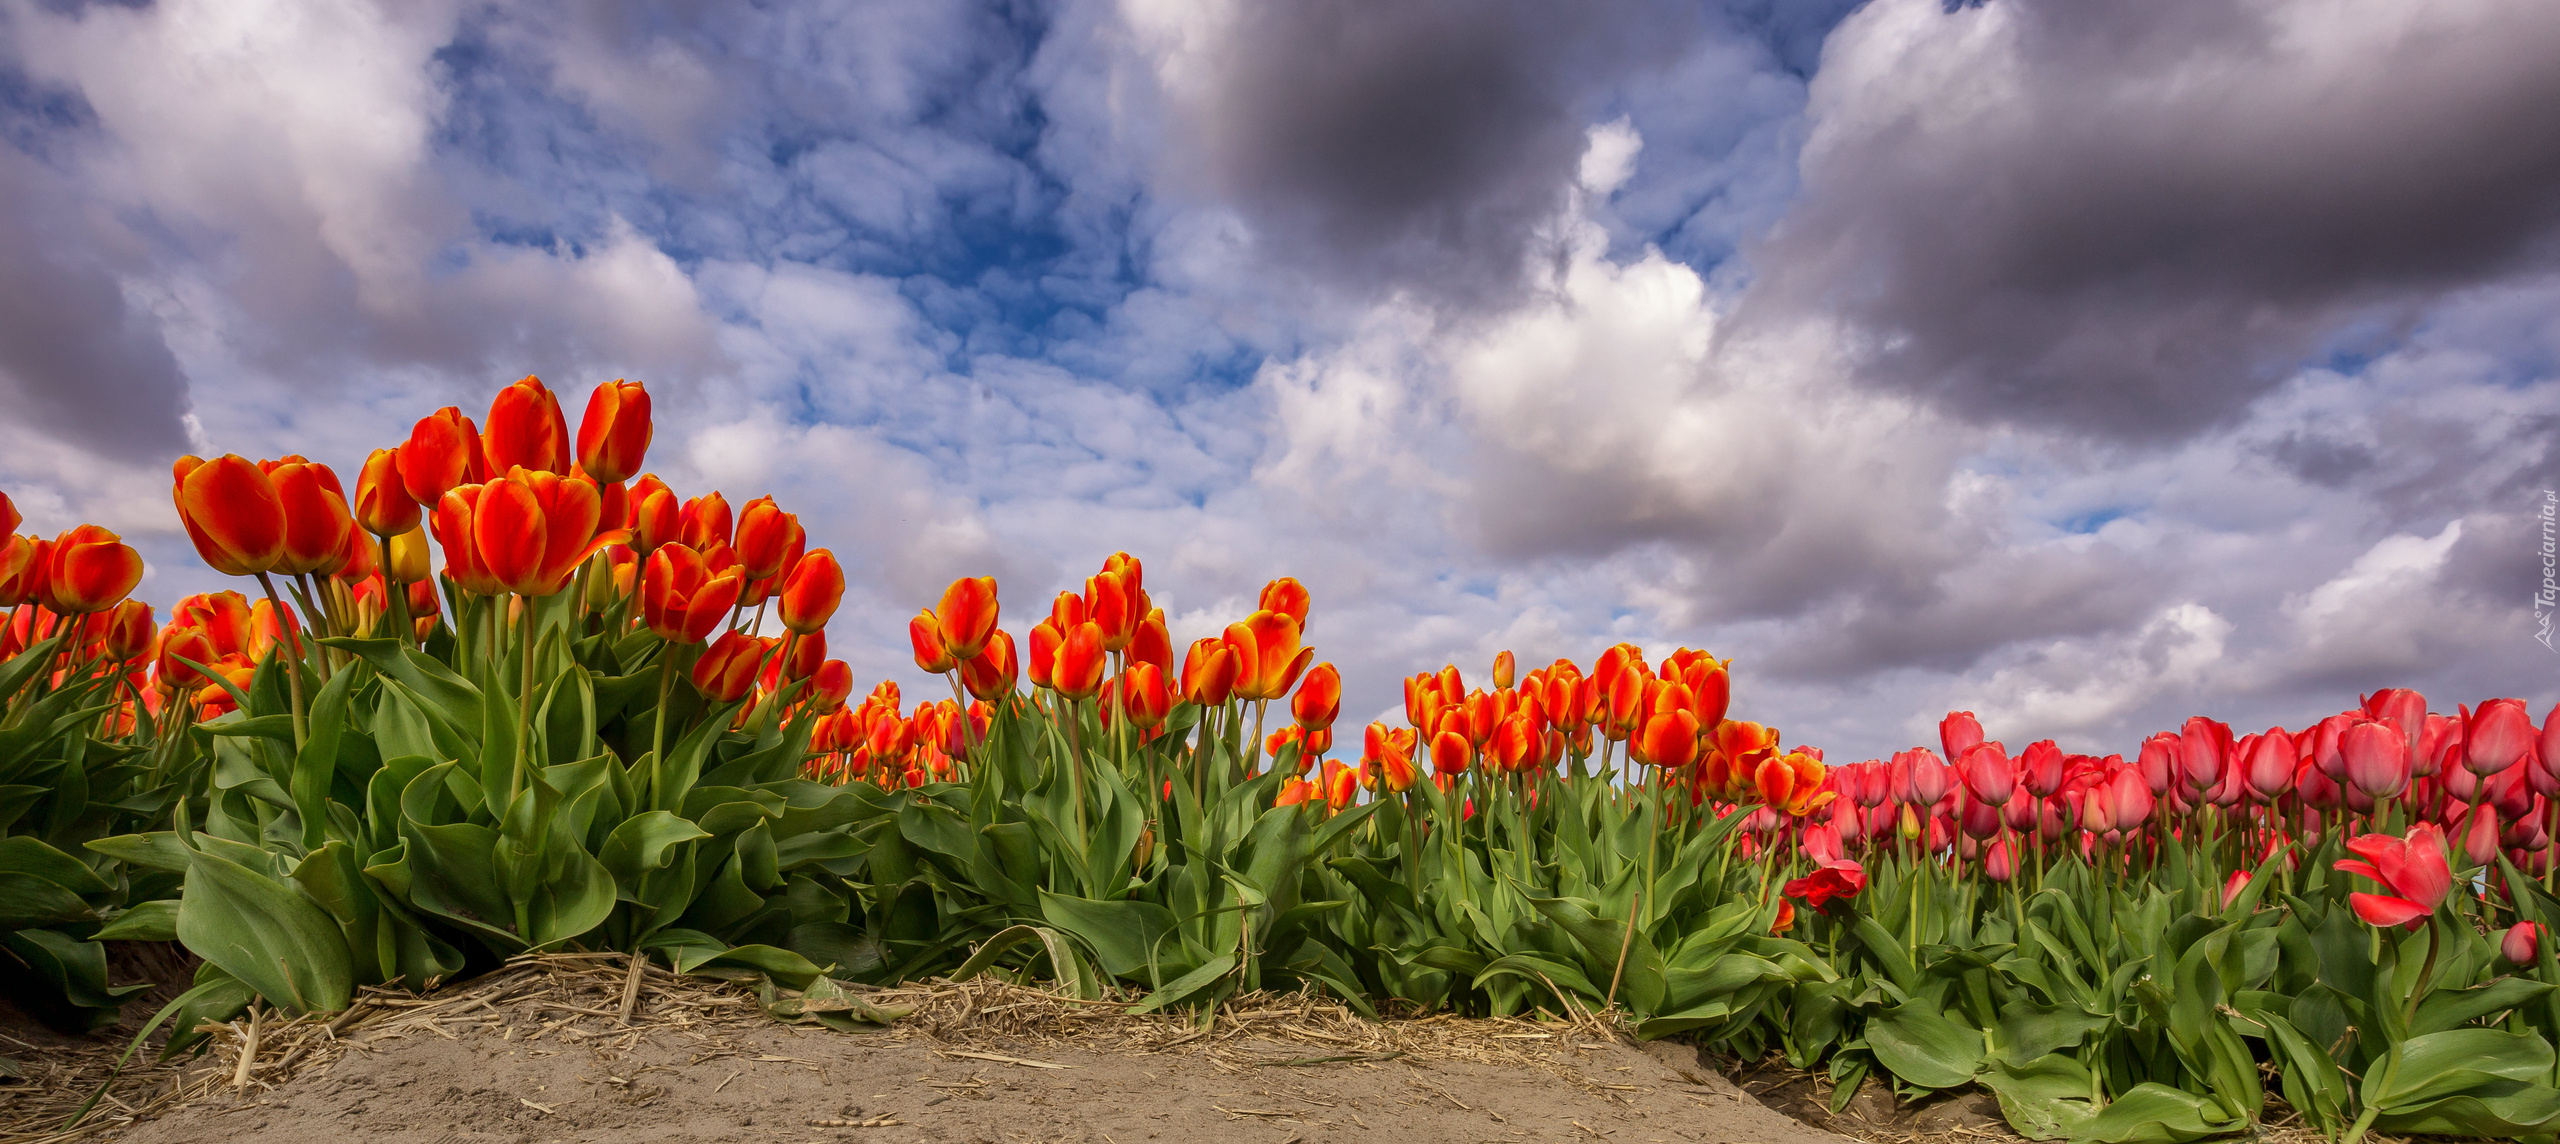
[[2087, 365]]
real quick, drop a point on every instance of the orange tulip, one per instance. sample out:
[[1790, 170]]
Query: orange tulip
[[361, 559], [793, 659], [1067, 610], [130, 633], [87, 569], [1387, 758], [1319, 698], [829, 686], [1450, 753], [1268, 658], [812, 591], [1670, 740], [1044, 640], [990, 675], [9, 518], [423, 604], [1514, 745], [1503, 667], [766, 537], [1341, 786], [1208, 672], [441, 455], [1115, 607], [526, 431], [1140, 694], [1077, 672], [532, 530], [231, 512], [968, 615], [1786, 918], [18, 571], [657, 517], [1278, 744], [316, 520], [1296, 792], [705, 521], [1287, 597], [680, 598], [727, 672], [614, 435], [1152, 643], [932, 655], [382, 506], [177, 644]]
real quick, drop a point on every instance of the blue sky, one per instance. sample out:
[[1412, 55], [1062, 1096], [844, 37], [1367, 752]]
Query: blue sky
[[2086, 365]]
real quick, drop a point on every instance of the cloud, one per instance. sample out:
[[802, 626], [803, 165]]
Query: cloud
[[2129, 223]]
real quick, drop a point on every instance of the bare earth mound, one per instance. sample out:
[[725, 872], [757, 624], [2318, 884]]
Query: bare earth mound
[[541, 1053]]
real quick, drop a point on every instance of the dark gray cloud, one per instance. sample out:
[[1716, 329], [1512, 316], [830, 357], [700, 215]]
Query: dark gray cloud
[[1414, 143], [2129, 219], [77, 361]]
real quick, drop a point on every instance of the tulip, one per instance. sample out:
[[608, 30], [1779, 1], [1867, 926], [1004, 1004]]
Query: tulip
[[1670, 741], [1988, 774], [1287, 597], [1928, 778], [1152, 643], [87, 569], [2413, 868], [793, 659], [1387, 758], [1512, 746], [1077, 672], [2522, 941], [2040, 769], [2204, 748], [1786, 919], [705, 521], [231, 512], [130, 633], [830, 686], [316, 520], [1341, 786], [18, 570], [529, 531], [2496, 736], [1829, 880], [765, 537], [968, 615], [990, 675], [2231, 887], [932, 655], [1043, 640], [1295, 792], [2128, 800], [1503, 667], [441, 454], [1998, 864], [2404, 709], [1959, 732], [526, 430], [2479, 832], [680, 599], [9, 518], [1268, 658], [1145, 695], [1450, 754], [727, 671], [1208, 672], [382, 505], [1319, 698], [614, 435], [812, 591], [2271, 762], [2376, 757]]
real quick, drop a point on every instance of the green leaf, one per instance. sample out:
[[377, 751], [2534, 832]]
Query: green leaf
[[267, 934], [1123, 935], [2047, 1098], [1184, 987], [30, 856], [2451, 1008], [1068, 969], [2438, 1065], [2501, 1109], [2154, 1113], [317, 762], [1922, 1047], [641, 843], [2029, 1031], [150, 921]]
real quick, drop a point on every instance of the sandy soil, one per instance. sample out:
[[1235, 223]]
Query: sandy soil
[[561, 1066]]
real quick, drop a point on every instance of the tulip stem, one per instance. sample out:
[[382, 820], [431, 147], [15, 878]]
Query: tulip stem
[[658, 733], [524, 707], [293, 669]]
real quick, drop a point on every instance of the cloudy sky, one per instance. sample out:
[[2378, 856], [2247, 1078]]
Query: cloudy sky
[[2087, 365]]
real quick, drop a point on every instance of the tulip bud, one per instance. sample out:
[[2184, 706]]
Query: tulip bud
[[1670, 740], [423, 604], [382, 505], [766, 537], [1077, 671], [2041, 768], [727, 671], [990, 675], [614, 435], [441, 454], [968, 615], [1503, 667], [829, 686], [404, 558], [130, 632], [87, 569], [1145, 695], [1287, 597], [526, 430], [2522, 942], [812, 591], [1151, 643], [1989, 775], [1319, 698], [2271, 761]]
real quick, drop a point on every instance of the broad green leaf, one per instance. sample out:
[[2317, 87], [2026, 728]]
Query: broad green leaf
[[1922, 1047], [264, 932]]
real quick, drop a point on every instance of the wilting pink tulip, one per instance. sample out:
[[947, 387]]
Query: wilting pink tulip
[[2271, 762], [2522, 942], [1959, 732], [2496, 736], [1988, 774], [2412, 868], [2377, 759], [2231, 887], [1997, 863], [2204, 748], [2040, 769]]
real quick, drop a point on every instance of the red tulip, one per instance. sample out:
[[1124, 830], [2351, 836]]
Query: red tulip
[[2376, 757], [1840, 879], [2496, 736], [705, 521], [1286, 596], [452, 522], [20, 557], [531, 530], [1319, 698], [9, 518], [316, 520], [1998, 864], [991, 675], [933, 656], [1989, 775], [1077, 672], [87, 569], [812, 591], [968, 615], [441, 455], [1450, 753], [526, 431], [614, 435], [830, 686], [1387, 758], [657, 517], [382, 505], [1145, 696], [794, 659], [1670, 741], [1958, 733], [765, 537], [2404, 709], [2040, 769], [2414, 869], [1786, 919], [727, 671], [2231, 887], [1043, 640], [2271, 764], [2478, 829], [680, 598], [2128, 800], [231, 512], [130, 634], [2522, 941], [1151, 643], [2204, 749], [1268, 658]]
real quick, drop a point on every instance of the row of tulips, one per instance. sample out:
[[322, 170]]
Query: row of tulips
[[514, 694]]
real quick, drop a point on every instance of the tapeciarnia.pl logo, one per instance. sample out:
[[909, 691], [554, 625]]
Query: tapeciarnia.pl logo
[[2547, 598]]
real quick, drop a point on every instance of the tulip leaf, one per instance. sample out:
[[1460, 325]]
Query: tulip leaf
[[2046, 1098], [2509, 1109], [1920, 1046], [268, 934], [2028, 1031], [317, 763], [2446, 1009], [2437, 1065], [2154, 1113], [1067, 967], [642, 843], [150, 921], [1123, 935], [1183, 988]]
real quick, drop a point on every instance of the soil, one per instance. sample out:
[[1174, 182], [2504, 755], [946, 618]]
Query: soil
[[982, 1063]]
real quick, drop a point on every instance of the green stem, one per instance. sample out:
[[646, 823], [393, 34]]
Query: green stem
[[293, 667]]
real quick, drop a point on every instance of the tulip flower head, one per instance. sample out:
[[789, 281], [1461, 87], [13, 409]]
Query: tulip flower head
[[2414, 868], [2376, 758], [9, 518], [526, 430], [1319, 698], [1208, 672], [933, 656], [812, 591], [87, 569], [1268, 656], [382, 505], [968, 615], [443, 453], [727, 671], [614, 435], [990, 675], [2522, 942], [2497, 736], [231, 512], [767, 538], [1286, 596], [1077, 671], [681, 599]]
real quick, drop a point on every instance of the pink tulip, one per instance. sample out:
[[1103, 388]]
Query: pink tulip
[[2020, 813], [2479, 832], [1989, 775], [2231, 887], [1822, 844], [1928, 777], [2413, 868], [2522, 942], [2377, 759], [2438, 744], [1959, 732], [2040, 769], [1998, 864], [2400, 707], [2204, 748], [2160, 761], [2318, 790], [2128, 800], [2324, 746], [2271, 763], [2496, 736]]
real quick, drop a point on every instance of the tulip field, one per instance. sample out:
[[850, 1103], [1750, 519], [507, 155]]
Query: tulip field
[[509, 694]]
